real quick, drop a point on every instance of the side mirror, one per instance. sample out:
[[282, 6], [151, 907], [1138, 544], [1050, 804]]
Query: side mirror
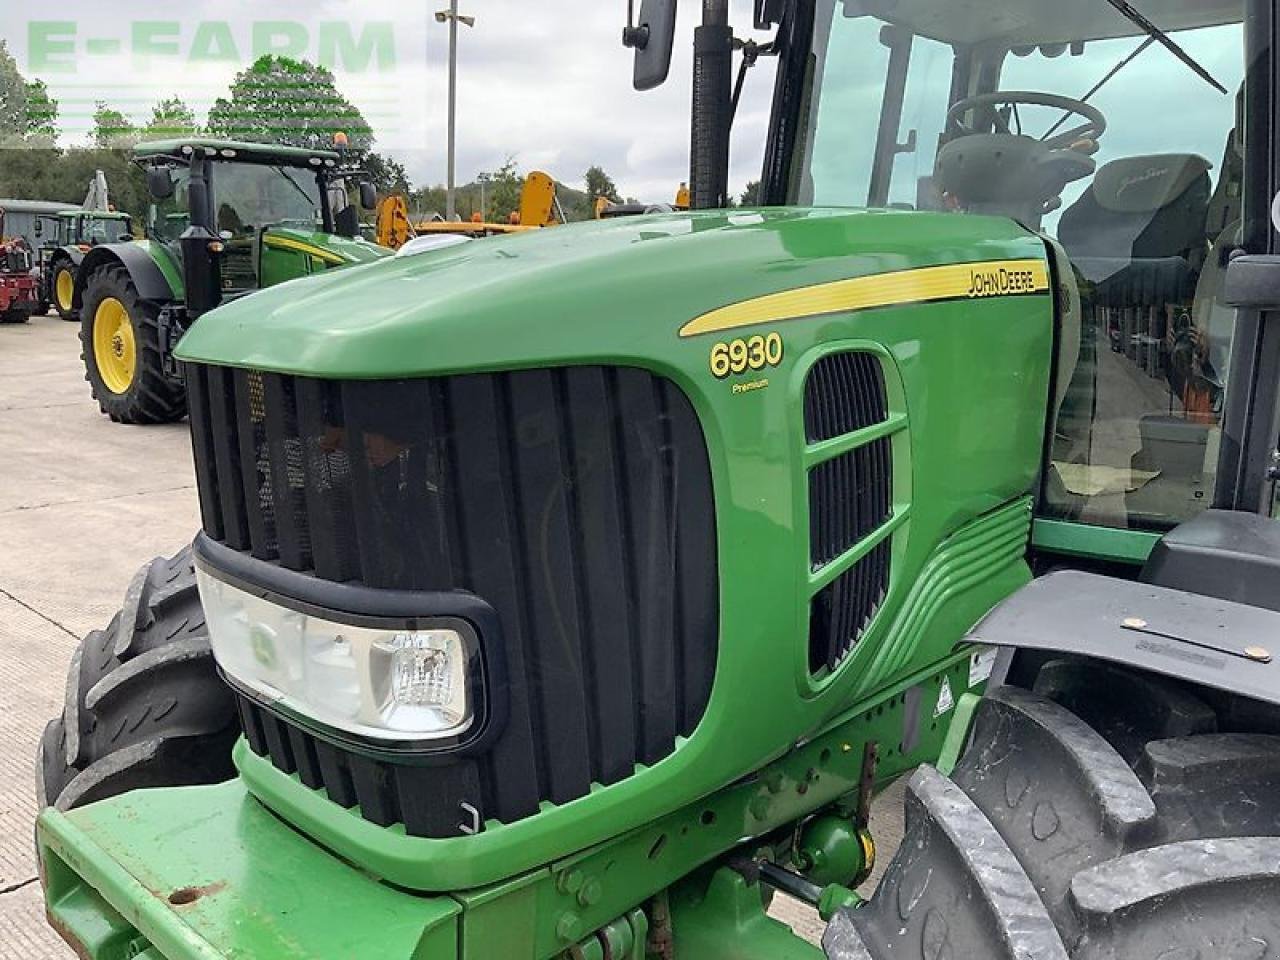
[[347, 223], [368, 195], [652, 38], [159, 182]]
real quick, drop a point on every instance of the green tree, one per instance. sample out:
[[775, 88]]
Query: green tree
[[28, 115], [751, 195], [599, 184], [388, 175], [112, 130], [170, 119], [42, 114], [502, 191], [281, 100]]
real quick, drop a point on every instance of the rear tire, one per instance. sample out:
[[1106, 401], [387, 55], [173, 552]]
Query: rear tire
[[14, 316], [145, 706], [1106, 815], [123, 352]]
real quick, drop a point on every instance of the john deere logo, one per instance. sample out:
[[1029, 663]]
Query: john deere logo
[[1001, 282]]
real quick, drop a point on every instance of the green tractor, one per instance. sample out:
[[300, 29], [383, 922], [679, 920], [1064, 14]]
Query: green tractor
[[570, 595], [74, 234], [227, 219]]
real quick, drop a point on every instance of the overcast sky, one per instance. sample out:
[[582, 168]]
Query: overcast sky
[[546, 82]]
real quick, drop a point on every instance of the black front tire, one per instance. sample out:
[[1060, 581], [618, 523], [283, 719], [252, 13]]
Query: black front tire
[[65, 311], [1107, 814], [145, 706], [151, 396]]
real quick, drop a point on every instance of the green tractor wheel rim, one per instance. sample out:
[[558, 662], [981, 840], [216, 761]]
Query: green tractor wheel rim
[[64, 289]]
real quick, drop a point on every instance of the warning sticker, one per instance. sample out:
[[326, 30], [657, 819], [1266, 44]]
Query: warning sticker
[[945, 699], [981, 663]]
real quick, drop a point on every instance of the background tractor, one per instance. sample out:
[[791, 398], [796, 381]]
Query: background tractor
[[227, 219], [66, 238], [535, 617], [18, 297]]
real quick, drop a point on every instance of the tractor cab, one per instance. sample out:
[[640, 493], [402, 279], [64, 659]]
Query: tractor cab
[[88, 228], [1119, 137], [250, 215]]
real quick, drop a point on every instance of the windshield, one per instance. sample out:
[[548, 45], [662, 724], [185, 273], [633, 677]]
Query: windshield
[[1109, 133], [103, 229], [248, 197]]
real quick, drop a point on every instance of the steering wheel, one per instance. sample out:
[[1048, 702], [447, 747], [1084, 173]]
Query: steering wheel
[[1092, 129]]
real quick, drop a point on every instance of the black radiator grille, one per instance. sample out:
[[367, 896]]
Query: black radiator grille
[[840, 614], [577, 502], [850, 497], [844, 392]]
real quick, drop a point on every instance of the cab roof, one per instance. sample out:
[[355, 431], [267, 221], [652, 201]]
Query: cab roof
[[238, 150], [99, 214], [1019, 23]]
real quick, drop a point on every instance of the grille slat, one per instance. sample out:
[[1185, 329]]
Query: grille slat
[[254, 466], [651, 536], [484, 498], [226, 458], [283, 453], [202, 448], [602, 571], [327, 514], [576, 502]]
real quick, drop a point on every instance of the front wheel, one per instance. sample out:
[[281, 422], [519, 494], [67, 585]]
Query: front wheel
[[64, 289], [1106, 814], [123, 352], [145, 706]]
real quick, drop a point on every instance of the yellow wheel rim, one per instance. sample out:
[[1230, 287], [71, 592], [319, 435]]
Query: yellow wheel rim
[[114, 349], [65, 289]]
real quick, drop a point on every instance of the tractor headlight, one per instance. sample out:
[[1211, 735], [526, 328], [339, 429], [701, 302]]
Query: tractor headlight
[[401, 682]]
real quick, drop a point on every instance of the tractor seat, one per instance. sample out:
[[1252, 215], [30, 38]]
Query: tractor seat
[[1137, 235]]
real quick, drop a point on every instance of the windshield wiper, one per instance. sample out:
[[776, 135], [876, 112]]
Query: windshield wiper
[[1066, 115], [294, 183], [1155, 33]]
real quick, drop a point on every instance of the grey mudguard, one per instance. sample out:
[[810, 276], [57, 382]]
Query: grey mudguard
[[146, 276], [1220, 644]]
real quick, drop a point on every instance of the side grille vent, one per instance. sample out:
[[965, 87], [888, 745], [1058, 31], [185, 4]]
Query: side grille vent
[[840, 614], [844, 393], [850, 499]]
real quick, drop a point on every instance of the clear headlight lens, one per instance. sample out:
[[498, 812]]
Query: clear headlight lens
[[385, 684]]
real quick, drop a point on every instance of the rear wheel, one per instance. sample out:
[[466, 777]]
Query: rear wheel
[[1107, 814], [14, 316], [64, 288], [123, 352], [145, 706]]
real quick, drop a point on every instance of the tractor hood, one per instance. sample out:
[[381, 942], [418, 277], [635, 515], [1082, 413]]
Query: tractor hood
[[613, 291]]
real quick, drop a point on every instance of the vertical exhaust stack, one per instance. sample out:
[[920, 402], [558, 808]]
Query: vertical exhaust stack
[[712, 106], [201, 266]]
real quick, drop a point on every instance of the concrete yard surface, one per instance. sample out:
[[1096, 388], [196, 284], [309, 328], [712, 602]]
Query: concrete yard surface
[[83, 503]]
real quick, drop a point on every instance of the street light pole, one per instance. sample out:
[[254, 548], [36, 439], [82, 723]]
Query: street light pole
[[452, 17]]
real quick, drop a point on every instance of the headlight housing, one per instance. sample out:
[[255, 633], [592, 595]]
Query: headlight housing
[[400, 682]]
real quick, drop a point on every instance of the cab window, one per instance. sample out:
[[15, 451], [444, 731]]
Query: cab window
[[1125, 155]]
